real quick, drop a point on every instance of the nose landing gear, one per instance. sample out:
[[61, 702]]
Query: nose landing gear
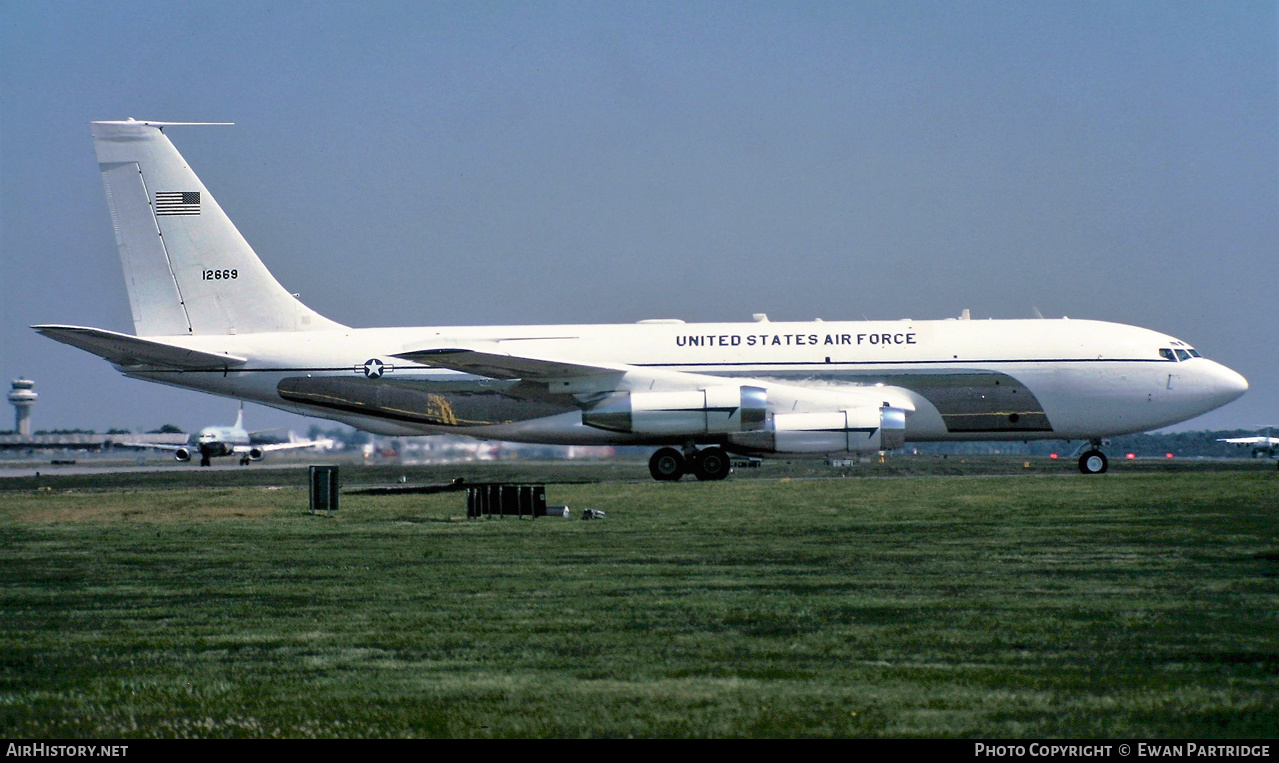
[[1093, 461]]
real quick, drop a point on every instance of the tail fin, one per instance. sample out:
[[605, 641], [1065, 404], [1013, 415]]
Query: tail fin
[[187, 268]]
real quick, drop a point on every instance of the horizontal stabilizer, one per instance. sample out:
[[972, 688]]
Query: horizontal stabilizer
[[126, 350], [498, 366]]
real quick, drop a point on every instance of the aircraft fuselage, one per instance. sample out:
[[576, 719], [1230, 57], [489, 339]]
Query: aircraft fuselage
[[966, 380]]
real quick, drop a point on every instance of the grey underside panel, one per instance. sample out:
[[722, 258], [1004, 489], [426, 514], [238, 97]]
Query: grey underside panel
[[969, 402], [977, 401], [447, 404]]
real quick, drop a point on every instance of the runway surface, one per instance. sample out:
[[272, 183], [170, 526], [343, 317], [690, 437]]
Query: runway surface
[[88, 468]]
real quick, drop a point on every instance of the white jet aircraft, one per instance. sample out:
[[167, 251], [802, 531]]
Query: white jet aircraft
[[1263, 446], [235, 440], [210, 317]]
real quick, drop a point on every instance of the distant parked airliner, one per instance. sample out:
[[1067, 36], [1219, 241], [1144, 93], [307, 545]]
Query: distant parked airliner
[[1262, 445], [235, 440]]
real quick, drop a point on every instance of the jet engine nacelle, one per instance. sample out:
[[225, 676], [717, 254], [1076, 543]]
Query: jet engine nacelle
[[182, 454], [256, 454], [862, 429], [714, 410]]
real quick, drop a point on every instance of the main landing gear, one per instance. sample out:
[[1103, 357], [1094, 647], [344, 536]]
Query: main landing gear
[[668, 464], [1093, 461]]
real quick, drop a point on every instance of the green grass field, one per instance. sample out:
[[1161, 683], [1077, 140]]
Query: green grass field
[[1137, 605]]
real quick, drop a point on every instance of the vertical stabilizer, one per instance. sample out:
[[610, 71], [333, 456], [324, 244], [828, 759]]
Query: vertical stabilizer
[[187, 268]]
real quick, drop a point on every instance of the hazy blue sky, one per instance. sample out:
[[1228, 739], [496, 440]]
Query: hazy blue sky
[[485, 163]]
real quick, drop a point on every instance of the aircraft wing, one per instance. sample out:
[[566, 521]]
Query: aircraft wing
[[502, 366], [126, 350], [155, 445], [275, 446], [278, 446], [593, 380]]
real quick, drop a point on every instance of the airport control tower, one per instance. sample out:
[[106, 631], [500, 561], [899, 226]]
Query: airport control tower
[[22, 398]]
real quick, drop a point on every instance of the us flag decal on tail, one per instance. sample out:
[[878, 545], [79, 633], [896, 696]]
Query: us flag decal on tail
[[177, 202]]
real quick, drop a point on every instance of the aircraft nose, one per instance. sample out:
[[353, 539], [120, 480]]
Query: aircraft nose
[[1226, 384]]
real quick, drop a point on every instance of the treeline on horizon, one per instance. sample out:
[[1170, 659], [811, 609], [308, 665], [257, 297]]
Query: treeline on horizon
[[1198, 444], [1201, 444]]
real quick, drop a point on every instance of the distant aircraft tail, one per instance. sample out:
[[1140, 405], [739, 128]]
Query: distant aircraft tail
[[187, 268]]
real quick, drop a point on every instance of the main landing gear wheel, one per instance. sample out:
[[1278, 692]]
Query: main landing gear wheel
[[1093, 462], [666, 465], [204, 460], [711, 464]]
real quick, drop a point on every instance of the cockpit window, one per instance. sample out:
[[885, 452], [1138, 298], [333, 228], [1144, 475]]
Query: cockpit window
[[1183, 355], [1194, 353], [1166, 354]]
